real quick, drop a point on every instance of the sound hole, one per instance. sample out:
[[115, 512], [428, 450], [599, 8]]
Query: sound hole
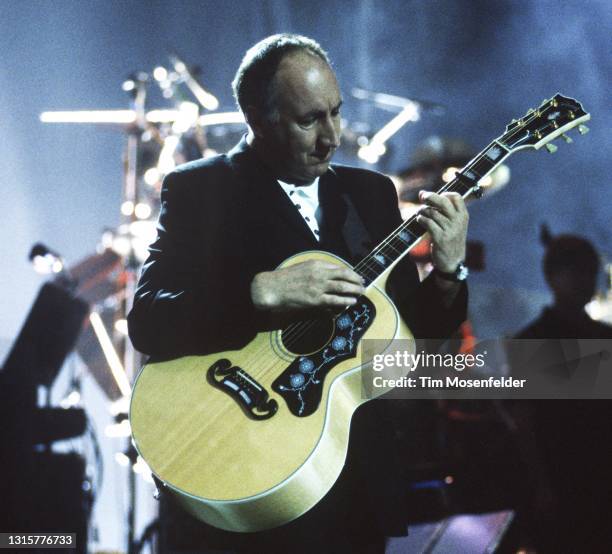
[[306, 337]]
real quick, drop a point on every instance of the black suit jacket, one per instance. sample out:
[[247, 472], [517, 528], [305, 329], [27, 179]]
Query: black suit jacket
[[225, 219]]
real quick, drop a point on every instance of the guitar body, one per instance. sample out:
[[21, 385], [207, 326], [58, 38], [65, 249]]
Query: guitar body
[[241, 473]]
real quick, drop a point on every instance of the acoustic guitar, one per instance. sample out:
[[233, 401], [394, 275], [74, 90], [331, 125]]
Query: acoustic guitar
[[251, 439]]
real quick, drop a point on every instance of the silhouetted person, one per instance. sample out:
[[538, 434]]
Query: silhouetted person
[[571, 266], [571, 462]]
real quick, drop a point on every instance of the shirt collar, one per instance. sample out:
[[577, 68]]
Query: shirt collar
[[310, 191]]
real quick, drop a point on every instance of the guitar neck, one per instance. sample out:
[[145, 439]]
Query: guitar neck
[[393, 248]]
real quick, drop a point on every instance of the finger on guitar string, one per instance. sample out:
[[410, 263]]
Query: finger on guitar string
[[447, 202], [346, 274], [433, 220]]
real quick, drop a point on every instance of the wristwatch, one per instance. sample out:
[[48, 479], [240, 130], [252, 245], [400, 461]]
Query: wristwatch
[[460, 274]]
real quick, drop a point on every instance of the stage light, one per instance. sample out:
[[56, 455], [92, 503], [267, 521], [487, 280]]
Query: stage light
[[122, 245], [121, 326], [221, 118], [141, 468], [106, 240], [162, 116], [142, 210], [118, 430], [129, 116], [166, 162], [120, 406], [90, 116], [122, 459], [44, 260], [127, 208], [72, 400], [597, 309], [160, 73], [47, 264], [409, 113], [151, 176], [449, 174], [108, 349], [372, 152], [187, 117], [500, 176]]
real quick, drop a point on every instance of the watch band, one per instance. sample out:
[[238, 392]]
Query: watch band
[[460, 274]]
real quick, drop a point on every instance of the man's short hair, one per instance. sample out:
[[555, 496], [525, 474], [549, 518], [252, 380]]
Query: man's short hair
[[253, 80]]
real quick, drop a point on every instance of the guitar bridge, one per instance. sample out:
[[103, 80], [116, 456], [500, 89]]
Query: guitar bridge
[[246, 391]]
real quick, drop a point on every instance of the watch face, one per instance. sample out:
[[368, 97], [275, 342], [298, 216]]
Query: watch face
[[462, 272]]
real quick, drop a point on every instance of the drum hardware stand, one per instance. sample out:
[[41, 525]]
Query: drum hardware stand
[[137, 121]]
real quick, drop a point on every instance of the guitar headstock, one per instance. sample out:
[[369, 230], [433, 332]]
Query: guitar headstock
[[540, 127]]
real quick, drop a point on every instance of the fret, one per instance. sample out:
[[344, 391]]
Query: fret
[[482, 167], [463, 183], [405, 236], [397, 245], [368, 274], [389, 250], [381, 259], [415, 228], [399, 242], [496, 152]]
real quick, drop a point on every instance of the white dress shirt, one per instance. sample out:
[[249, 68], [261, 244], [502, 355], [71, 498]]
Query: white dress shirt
[[306, 199]]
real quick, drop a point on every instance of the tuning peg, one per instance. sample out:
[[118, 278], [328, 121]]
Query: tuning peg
[[552, 148], [583, 129], [567, 138]]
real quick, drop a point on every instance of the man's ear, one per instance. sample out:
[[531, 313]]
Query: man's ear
[[256, 121]]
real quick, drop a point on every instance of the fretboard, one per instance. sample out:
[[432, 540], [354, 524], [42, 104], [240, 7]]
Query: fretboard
[[405, 237]]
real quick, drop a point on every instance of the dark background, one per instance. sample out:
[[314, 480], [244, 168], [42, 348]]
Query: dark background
[[487, 61]]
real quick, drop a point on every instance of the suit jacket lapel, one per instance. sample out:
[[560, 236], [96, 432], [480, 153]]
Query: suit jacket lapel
[[344, 231]]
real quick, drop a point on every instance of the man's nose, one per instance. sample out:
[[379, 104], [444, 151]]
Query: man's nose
[[330, 132]]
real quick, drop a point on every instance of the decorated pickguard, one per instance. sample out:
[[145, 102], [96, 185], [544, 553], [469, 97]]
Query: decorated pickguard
[[301, 384]]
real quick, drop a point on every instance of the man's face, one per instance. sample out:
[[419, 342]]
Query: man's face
[[304, 133]]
